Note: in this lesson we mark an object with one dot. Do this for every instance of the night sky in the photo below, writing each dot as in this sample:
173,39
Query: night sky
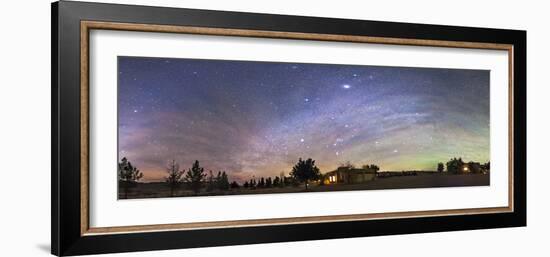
257,118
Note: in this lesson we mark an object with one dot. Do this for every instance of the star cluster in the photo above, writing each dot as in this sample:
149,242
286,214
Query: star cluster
257,118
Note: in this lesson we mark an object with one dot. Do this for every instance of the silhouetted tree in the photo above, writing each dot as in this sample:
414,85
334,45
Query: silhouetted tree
440,167
128,175
174,176
304,171
194,177
486,166
371,167
268,182
223,181
375,167
286,181
454,165
210,182
474,167
245,185
291,181
218,179
234,185
261,183
276,181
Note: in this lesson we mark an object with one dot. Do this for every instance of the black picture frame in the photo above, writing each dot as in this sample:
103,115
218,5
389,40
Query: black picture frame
66,235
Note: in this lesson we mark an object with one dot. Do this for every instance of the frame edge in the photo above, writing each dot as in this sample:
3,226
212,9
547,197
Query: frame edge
54,130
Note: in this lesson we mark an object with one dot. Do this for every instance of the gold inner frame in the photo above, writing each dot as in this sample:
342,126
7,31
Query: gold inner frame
86,26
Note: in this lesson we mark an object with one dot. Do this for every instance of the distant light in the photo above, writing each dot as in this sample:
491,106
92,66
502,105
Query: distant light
306,99
465,168
346,86
302,140
135,111
395,151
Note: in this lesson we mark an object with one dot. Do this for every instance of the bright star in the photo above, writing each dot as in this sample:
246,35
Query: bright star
302,140
346,86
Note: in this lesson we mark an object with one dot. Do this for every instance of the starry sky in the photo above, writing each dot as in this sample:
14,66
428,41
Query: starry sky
253,118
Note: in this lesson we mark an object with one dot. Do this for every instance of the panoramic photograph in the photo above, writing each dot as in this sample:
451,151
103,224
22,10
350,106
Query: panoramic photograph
199,127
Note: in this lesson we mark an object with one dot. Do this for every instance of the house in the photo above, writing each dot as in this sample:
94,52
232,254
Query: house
471,167
457,166
349,175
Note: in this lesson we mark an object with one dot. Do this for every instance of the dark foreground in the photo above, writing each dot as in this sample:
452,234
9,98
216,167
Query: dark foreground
156,190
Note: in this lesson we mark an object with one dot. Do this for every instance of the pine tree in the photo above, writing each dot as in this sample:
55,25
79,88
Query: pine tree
174,176
234,185
223,182
440,167
128,175
276,181
194,177
211,184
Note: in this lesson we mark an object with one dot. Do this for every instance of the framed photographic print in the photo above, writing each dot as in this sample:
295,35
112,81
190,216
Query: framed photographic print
177,128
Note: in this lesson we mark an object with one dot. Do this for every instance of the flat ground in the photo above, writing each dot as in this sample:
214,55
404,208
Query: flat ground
155,190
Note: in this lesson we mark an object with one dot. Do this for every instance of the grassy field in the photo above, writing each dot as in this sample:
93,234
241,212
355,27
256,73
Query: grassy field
156,190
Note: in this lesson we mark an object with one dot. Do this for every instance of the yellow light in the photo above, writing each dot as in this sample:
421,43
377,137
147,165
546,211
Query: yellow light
465,168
